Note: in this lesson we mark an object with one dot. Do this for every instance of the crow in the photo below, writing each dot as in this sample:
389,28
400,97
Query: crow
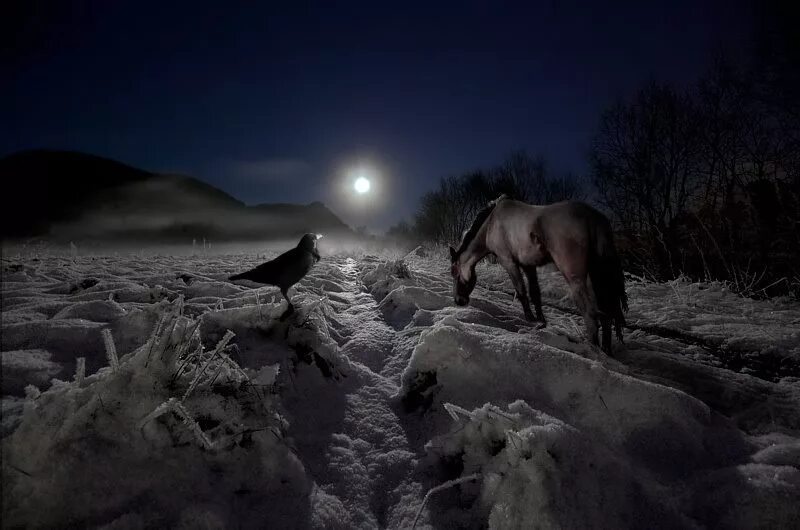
287,269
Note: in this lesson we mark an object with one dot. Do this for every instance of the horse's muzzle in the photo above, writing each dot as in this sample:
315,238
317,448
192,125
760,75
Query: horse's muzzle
461,300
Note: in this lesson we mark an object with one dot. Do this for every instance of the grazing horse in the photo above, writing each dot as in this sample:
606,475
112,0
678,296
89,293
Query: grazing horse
572,235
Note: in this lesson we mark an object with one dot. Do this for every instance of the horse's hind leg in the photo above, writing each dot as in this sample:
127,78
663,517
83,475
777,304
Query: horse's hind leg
587,307
519,285
534,292
604,300
619,322
609,309
605,323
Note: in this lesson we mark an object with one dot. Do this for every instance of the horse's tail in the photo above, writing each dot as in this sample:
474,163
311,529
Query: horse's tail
608,278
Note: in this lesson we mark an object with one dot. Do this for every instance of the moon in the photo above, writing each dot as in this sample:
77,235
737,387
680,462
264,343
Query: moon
361,185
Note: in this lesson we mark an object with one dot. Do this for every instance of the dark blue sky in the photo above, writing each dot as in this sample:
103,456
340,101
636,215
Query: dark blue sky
272,103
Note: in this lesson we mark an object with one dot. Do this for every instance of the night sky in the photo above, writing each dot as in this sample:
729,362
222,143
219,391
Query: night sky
275,103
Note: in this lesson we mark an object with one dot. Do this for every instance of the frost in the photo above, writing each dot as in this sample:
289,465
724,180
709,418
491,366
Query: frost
80,371
111,350
96,311
211,358
448,484
23,367
118,422
183,400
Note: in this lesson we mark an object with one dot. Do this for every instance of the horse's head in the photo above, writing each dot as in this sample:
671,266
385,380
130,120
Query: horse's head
463,279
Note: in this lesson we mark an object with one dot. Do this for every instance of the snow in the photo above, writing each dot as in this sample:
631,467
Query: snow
24,367
378,391
96,311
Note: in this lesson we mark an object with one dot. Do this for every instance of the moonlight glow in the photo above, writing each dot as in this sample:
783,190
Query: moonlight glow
361,185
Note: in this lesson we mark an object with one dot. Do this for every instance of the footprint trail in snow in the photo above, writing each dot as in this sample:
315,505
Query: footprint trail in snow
379,389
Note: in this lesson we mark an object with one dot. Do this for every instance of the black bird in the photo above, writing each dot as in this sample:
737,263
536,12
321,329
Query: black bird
287,269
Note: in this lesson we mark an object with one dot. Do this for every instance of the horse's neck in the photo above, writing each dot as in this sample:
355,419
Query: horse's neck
477,249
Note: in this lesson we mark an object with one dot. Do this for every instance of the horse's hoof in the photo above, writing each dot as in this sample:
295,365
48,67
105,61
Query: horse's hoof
541,325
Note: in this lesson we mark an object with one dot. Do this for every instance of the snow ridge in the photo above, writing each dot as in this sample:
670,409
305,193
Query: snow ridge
381,405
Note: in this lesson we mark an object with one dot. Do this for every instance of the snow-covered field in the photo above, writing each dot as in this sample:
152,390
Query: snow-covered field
376,392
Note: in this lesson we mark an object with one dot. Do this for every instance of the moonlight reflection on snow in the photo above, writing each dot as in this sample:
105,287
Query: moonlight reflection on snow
376,391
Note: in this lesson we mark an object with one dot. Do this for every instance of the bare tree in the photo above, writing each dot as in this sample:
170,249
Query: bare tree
445,213
644,159
703,182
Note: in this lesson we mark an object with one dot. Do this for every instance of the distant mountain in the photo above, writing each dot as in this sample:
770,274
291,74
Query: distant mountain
64,195
316,210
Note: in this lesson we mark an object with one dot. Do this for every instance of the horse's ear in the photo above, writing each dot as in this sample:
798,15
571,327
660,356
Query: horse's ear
453,254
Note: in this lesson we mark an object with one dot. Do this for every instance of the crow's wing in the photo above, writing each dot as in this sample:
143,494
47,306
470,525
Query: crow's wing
271,271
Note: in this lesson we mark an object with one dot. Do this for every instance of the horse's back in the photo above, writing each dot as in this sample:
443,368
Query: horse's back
566,232
565,211
509,234
529,233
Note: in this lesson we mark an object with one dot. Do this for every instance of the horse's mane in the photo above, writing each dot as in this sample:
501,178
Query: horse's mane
470,234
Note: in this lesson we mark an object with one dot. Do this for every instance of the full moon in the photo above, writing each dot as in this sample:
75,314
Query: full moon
361,185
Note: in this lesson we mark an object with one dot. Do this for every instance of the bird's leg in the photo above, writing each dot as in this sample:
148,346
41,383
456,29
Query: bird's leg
290,309
258,303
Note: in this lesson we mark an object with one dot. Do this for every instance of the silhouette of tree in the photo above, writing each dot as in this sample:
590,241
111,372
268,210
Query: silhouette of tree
705,182
445,213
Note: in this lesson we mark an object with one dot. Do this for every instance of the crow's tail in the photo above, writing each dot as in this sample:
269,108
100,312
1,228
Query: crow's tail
242,276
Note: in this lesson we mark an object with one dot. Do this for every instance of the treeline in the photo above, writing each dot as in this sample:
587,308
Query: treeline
703,182
446,212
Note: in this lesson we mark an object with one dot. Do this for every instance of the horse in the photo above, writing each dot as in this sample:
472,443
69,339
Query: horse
574,236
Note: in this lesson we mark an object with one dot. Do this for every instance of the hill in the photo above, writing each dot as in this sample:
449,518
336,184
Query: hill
64,195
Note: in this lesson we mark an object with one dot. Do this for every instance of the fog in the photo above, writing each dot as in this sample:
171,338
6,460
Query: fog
328,246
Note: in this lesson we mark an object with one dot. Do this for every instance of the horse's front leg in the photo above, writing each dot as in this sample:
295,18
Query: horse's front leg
534,292
519,285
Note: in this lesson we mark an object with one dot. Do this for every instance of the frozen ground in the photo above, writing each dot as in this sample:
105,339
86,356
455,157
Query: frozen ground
379,390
